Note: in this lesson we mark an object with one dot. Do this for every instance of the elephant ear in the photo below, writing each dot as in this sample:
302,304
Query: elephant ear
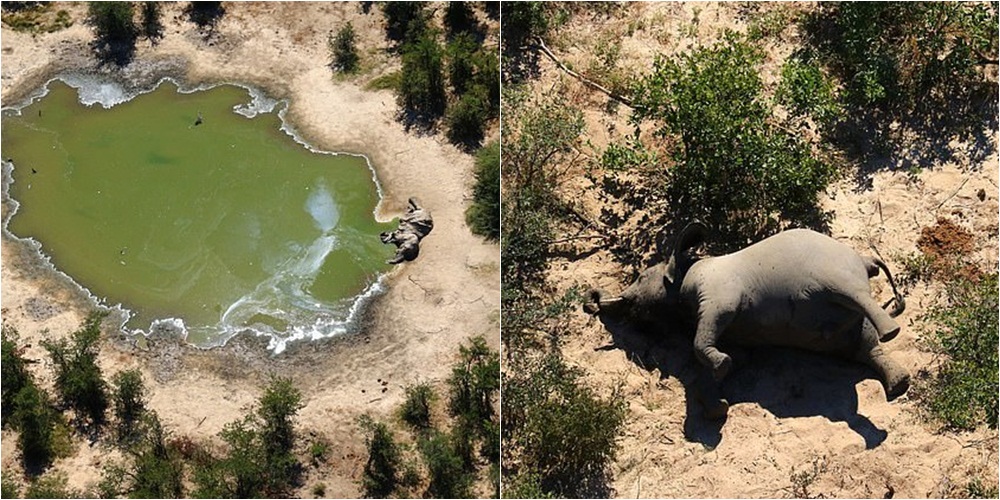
679,259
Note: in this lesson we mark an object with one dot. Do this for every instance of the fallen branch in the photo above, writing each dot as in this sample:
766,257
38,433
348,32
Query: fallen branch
584,237
952,194
586,81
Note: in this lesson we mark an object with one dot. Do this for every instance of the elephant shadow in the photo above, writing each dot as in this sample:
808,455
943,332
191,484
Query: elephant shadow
787,382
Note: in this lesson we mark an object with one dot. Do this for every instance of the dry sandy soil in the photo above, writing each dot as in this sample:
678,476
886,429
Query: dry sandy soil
791,413
412,332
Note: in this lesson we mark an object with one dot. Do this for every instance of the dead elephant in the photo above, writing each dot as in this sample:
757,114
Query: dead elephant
414,225
797,288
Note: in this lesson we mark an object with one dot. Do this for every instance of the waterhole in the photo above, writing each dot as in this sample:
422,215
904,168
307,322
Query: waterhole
198,209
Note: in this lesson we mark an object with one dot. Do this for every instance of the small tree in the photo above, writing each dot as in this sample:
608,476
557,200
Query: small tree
152,28
15,370
115,29
129,403
345,54
474,382
78,377
205,15
416,410
398,16
35,420
421,89
238,474
381,475
467,118
483,215
448,475
461,62
459,18
153,470
278,405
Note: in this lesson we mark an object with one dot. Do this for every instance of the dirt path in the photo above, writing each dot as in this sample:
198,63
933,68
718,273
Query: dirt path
449,294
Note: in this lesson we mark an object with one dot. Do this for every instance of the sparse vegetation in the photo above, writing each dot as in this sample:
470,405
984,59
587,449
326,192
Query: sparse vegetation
51,485
78,377
115,31
964,392
15,370
416,410
345,53
483,215
128,396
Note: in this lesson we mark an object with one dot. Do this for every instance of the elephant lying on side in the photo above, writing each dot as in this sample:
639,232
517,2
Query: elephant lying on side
413,226
797,288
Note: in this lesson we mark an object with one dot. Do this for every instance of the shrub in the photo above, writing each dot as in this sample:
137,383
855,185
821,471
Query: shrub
459,19
36,422
964,392
78,377
152,28
416,410
153,469
399,16
259,459
558,428
51,485
448,475
115,30
474,383
381,474
467,118
15,369
345,54
128,396
461,62
733,169
205,15
483,215
11,486
806,91
318,452
421,86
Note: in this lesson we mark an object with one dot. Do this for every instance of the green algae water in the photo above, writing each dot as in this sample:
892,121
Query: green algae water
184,211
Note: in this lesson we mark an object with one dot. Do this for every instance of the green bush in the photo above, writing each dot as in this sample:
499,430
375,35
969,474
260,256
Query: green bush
416,410
399,16
115,30
259,459
421,85
461,62
558,428
345,54
806,91
734,169
466,119
474,384
152,27
51,485
448,475
78,377
459,18
483,215
129,401
15,369
35,420
152,469
964,393
381,474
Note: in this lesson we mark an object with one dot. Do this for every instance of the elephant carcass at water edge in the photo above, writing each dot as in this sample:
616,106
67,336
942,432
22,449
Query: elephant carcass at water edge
414,225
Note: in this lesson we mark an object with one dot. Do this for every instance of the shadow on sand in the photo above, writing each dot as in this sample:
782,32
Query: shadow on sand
786,382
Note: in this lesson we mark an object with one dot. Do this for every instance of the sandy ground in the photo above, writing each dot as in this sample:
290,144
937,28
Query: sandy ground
412,333
791,412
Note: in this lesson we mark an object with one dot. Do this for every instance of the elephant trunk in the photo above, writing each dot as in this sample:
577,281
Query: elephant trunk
596,305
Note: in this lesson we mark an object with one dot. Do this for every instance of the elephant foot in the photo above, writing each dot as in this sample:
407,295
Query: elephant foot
896,387
889,334
717,410
721,365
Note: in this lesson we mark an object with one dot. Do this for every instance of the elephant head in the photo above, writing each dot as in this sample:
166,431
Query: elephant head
657,289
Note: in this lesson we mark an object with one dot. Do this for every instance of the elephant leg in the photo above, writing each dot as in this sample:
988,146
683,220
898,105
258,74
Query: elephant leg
862,302
709,395
710,328
895,379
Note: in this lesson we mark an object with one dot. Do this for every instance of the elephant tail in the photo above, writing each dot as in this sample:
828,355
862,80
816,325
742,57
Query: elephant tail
900,303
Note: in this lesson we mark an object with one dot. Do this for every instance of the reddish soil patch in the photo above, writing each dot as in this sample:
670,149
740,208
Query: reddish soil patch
945,239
